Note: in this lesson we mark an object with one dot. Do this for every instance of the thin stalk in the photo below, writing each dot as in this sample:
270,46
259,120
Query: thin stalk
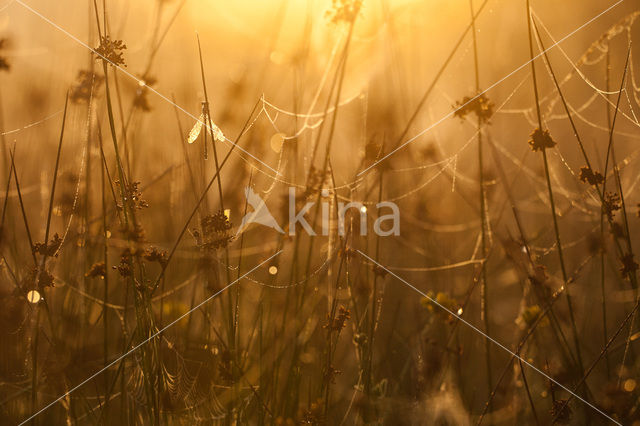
34,364
114,138
618,182
55,179
24,214
605,338
6,200
106,287
484,291
373,314
209,126
208,123
526,387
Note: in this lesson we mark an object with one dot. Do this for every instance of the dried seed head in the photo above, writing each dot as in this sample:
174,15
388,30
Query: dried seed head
541,140
218,222
611,203
125,267
629,266
589,176
152,254
132,195
480,105
214,233
50,249
339,321
111,50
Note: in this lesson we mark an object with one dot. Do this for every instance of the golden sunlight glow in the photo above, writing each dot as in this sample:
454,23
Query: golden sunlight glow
432,175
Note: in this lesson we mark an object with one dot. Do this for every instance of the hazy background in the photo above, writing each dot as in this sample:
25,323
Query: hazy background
275,53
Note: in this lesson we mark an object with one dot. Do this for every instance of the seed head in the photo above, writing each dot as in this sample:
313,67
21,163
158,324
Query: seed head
125,267
50,249
111,50
629,266
133,195
214,233
541,140
480,105
611,204
339,322
152,254
589,176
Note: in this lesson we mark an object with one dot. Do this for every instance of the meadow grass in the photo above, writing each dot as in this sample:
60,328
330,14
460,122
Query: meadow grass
130,297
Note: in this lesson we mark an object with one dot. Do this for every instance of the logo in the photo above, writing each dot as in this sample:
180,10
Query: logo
384,225
260,213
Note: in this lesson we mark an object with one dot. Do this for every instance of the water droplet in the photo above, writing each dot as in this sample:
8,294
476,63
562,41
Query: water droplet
629,385
33,296
277,141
